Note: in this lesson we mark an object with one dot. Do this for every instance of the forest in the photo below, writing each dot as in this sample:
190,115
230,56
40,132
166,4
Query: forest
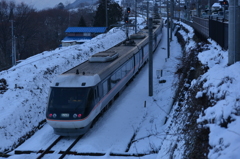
36,31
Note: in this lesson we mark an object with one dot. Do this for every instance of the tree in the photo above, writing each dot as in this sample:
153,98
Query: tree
60,6
25,29
35,31
53,24
114,13
6,14
82,22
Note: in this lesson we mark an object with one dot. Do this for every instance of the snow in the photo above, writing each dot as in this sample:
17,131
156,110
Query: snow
216,5
23,104
223,85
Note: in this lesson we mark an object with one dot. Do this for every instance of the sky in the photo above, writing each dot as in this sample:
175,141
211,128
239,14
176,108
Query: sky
42,4
22,105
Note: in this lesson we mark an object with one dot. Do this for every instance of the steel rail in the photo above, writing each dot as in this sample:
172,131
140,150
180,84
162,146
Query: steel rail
70,147
49,148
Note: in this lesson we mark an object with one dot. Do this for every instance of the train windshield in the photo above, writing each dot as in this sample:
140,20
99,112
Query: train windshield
68,98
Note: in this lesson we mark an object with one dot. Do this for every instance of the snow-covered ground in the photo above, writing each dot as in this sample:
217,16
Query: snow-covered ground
221,84
23,102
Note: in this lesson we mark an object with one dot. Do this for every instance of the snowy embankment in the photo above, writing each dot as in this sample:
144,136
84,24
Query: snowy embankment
220,85
24,88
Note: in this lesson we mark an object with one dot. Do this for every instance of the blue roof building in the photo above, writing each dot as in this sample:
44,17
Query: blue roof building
86,30
78,35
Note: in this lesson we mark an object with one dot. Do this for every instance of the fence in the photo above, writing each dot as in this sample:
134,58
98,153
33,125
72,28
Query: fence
218,31
201,25
211,28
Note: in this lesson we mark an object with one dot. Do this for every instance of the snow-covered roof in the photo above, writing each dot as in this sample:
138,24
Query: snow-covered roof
216,5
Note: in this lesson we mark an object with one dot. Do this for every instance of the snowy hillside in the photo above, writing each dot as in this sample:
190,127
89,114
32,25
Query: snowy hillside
21,106
76,3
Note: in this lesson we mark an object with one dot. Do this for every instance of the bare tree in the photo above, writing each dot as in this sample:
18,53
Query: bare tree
6,10
35,31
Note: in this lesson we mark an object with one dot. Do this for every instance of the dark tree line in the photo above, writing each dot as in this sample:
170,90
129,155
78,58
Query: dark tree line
38,31
114,13
34,31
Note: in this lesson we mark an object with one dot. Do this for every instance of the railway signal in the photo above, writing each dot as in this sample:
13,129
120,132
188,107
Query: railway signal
126,20
128,10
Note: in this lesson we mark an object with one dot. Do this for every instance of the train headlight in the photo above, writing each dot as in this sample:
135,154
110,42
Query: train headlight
77,115
74,115
54,115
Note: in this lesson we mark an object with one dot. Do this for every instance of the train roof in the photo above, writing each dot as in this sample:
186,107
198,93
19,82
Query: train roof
100,65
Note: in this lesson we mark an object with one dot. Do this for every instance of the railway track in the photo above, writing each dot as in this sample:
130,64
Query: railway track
49,151
69,152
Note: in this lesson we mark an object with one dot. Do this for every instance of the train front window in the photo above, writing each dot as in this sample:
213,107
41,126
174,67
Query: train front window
68,98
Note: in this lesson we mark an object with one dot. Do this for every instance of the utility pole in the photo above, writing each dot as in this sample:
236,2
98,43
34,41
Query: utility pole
168,42
198,8
209,8
150,30
171,24
135,16
234,32
147,11
161,6
106,13
126,19
187,9
13,46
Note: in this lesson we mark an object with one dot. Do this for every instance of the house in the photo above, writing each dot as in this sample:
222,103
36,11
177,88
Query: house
79,35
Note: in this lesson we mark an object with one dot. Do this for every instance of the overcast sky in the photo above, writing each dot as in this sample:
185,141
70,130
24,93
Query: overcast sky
41,4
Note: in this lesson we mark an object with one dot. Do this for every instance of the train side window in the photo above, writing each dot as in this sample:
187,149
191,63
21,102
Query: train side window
105,87
100,90
141,53
96,92
146,49
124,70
130,65
119,75
140,56
113,80
137,58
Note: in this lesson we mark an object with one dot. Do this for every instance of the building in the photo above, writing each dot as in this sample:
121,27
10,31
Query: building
79,35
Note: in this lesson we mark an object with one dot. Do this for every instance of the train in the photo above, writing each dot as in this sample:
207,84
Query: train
78,96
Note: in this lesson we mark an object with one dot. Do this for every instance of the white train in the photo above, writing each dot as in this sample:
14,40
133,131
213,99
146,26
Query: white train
78,95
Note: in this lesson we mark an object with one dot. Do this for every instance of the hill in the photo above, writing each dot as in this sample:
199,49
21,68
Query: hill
79,3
